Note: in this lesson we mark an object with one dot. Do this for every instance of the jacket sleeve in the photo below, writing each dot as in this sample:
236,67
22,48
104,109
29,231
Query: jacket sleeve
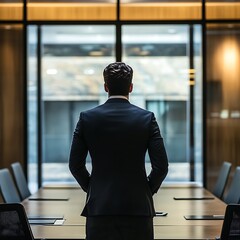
158,157
78,154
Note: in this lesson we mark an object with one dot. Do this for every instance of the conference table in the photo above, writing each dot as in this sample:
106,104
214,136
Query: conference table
64,203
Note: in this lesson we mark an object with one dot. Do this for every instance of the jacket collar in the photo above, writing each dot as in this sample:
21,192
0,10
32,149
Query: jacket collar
117,100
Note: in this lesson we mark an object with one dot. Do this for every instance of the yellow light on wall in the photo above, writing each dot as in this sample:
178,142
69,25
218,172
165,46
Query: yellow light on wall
230,54
191,82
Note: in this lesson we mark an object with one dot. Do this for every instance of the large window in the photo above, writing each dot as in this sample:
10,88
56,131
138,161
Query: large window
167,64
71,64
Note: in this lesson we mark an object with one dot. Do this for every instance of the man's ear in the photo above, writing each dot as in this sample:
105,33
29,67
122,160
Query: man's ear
131,88
106,87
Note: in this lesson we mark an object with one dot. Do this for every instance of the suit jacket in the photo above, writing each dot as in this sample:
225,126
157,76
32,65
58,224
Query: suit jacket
117,135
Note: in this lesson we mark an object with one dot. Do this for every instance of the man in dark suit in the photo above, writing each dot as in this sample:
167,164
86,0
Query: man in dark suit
117,134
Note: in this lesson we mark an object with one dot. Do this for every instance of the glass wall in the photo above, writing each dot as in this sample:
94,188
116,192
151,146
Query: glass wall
73,58
72,61
33,121
196,78
223,96
160,57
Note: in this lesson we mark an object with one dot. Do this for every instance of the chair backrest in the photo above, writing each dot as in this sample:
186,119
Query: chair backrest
231,223
14,223
222,180
8,188
233,194
20,180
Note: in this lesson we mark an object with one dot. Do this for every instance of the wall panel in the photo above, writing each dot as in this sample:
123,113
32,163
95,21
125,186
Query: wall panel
223,98
11,11
11,94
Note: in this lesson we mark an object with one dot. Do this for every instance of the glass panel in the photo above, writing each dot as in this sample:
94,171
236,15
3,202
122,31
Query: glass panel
72,10
72,64
160,59
197,77
160,9
222,9
223,97
11,9
32,109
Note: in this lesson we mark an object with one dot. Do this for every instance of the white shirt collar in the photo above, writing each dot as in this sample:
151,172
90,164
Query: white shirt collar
118,96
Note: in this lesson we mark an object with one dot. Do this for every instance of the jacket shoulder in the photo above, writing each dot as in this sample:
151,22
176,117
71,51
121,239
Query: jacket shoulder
92,110
142,110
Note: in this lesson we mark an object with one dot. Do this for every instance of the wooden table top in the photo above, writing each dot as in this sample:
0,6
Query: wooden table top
173,226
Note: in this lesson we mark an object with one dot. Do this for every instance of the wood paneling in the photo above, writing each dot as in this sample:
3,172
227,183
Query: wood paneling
179,11
71,11
11,96
129,11
223,106
11,11
223,10
161,11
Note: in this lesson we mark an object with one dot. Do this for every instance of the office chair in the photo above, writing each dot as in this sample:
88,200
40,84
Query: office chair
7,186
231,223
233,195
222,180
20,180
14,224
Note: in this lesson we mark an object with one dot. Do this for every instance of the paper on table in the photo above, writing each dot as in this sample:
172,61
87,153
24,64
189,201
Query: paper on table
42,221
45,217
193,198
47,199
59,222
204,217
161,214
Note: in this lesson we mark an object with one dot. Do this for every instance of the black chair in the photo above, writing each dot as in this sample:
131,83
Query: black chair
20,180
8,188
231,223
222,180
14,224
233,195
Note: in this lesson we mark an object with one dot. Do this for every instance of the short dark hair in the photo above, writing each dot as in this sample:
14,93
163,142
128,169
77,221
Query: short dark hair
118,78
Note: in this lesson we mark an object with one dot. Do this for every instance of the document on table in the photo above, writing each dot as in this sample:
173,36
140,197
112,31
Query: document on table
204,217
46,221
31,217
193,198
47,199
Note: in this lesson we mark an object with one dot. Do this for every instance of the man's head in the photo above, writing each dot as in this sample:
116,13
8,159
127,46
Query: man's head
118,79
